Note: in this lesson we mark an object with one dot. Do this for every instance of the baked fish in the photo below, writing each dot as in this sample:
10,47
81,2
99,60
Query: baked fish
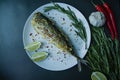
43,26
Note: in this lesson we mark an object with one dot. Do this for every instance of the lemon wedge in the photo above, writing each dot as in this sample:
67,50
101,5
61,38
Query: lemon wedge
39,56
33,46
98,76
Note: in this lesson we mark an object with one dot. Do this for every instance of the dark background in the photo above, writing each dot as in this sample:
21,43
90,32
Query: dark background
14,62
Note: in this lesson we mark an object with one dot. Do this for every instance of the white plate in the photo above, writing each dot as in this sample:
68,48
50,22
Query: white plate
58,60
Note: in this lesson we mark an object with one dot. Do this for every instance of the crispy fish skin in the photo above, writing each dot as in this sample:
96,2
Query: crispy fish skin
43,26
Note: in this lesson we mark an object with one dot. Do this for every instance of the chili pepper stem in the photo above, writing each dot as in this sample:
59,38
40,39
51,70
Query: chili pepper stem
102,1
111,16
93,3
109,23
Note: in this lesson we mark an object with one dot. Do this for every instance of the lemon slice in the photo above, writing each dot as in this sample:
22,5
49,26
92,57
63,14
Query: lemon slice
98,76
39,56
33,46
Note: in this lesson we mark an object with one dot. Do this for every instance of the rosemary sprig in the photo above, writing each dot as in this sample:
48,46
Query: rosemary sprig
104,54
76,22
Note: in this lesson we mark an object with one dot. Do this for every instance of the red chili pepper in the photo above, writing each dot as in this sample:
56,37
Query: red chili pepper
112,18
100,9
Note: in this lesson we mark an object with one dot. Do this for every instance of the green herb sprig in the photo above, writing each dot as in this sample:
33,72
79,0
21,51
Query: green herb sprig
104,54
76,22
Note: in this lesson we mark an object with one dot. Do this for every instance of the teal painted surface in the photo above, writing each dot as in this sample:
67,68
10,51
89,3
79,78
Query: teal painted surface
14,62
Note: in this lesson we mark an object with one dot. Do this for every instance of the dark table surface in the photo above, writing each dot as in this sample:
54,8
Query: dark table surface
14,62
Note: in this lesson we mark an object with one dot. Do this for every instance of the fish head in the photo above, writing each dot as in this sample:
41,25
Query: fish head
39,19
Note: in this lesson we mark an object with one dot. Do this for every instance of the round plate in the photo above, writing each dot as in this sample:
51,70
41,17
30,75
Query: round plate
57,60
